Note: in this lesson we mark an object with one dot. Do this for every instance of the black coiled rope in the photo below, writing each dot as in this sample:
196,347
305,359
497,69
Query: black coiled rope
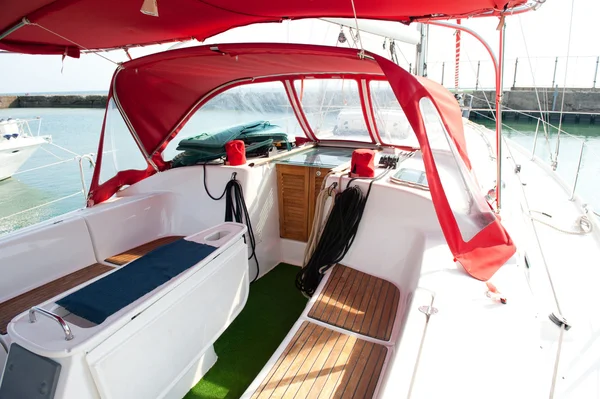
236,210
337,236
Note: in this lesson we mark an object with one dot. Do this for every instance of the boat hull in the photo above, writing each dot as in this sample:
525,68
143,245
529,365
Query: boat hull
14,153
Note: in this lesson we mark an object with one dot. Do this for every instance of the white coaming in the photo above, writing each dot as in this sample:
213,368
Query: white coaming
46,338
171,328
193,209
32,257
123,223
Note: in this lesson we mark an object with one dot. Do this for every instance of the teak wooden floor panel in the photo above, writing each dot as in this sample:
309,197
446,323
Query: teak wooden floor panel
322,363
358,302
138,252
9,309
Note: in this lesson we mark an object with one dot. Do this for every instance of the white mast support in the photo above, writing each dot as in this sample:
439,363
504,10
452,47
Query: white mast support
499,92
422,48
498,70
390,29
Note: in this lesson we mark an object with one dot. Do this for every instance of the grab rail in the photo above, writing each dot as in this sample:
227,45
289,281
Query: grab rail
66,329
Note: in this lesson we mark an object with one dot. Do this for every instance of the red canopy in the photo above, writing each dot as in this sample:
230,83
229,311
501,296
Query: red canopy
68,26
158,93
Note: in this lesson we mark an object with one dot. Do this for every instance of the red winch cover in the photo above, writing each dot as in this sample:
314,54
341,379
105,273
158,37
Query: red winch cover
68,26
158,93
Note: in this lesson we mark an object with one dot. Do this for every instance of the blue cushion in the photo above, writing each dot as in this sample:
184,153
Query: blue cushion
115,291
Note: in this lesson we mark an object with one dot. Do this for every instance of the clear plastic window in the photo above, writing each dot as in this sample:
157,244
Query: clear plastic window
469,207
244,104
333,108
120,149
392,124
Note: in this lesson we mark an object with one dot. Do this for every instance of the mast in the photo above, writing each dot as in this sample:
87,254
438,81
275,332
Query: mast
422,49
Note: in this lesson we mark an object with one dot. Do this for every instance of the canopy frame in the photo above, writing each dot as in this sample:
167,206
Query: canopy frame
59,26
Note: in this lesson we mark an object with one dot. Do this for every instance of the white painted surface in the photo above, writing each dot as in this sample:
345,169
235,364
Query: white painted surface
14,153
194,374
472,347
127,222
194,210
386,29
33,257
158,348
153,347
572,266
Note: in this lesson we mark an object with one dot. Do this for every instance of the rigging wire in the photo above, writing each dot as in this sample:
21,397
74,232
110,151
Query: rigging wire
482,91
562,105
42,205
537,96
76,44
362,49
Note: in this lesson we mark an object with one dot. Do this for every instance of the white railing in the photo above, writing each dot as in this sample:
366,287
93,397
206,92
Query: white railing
578,168
549,72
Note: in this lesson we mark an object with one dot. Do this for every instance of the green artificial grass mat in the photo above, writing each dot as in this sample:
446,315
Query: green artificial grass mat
274,304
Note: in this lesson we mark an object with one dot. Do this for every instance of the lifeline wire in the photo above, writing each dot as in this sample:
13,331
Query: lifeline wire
562,105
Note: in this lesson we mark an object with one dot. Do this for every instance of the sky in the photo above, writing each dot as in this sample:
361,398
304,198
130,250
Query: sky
535,38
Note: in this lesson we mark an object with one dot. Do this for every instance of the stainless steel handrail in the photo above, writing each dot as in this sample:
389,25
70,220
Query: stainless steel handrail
66,329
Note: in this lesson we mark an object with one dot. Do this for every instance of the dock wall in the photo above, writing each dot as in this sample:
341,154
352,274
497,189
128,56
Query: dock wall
53,101
576,101
526,99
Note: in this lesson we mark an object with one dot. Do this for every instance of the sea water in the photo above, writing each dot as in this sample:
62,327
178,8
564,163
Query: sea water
32,196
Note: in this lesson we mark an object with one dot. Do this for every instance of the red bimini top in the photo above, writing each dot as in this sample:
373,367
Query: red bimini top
69,26
157,95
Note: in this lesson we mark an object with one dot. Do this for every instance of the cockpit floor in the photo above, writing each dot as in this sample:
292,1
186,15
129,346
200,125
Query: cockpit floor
274,304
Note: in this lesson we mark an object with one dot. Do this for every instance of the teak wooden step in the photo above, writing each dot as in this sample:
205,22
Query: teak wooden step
357,302
9,309
322,363
138,252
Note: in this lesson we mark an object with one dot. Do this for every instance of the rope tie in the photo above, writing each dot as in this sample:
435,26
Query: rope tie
361,53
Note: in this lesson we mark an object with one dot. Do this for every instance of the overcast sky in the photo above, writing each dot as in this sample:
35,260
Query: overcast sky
542,35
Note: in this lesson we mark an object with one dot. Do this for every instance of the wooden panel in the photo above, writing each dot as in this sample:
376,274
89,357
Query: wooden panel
138,252
322,363
9,309
316,180
293,188
358,302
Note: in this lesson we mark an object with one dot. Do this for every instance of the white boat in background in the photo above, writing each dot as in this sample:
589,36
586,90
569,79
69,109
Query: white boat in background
17,144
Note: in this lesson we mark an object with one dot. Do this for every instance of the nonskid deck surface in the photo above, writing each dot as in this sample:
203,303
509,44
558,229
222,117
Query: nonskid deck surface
9,309
357,302
322,363
138,252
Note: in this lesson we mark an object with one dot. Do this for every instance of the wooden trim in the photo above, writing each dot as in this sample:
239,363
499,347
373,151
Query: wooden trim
137,252
293,186
11,308
322,363
358,302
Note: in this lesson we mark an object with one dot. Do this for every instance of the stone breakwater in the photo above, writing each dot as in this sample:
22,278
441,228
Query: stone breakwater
522,99
53,101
